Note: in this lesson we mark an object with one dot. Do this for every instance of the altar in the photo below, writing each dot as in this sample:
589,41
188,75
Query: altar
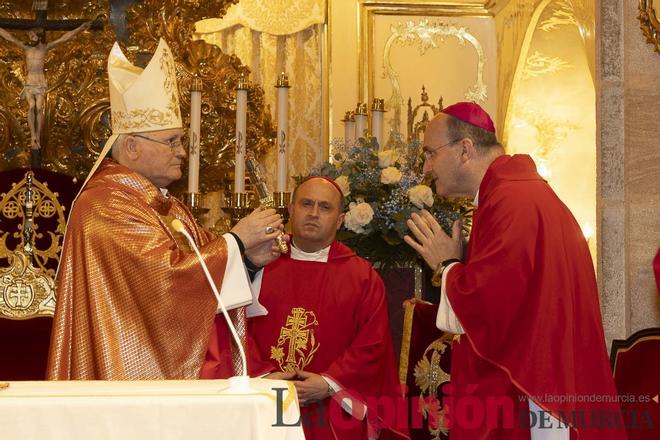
149,410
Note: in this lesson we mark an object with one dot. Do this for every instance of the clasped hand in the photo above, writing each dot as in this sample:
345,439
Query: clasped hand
431,242
309,386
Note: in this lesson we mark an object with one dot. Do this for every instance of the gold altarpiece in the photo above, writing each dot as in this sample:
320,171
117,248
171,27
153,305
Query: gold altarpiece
77,106
77,111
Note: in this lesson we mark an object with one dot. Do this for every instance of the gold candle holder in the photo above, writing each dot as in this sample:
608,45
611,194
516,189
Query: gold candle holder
378,105
194,202
281,200
349,116
282,80
239,206
361,109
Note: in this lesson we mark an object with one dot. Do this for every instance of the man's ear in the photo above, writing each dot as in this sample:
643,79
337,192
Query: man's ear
131,148
468,150
340,220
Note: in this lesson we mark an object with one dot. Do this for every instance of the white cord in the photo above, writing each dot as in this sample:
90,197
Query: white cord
179,227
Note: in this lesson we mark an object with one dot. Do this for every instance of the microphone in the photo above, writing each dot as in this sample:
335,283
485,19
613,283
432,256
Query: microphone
178,226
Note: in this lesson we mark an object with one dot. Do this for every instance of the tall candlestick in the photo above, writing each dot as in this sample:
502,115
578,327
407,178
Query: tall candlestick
282,130
241,134
195,132
360,120
349,128
377,113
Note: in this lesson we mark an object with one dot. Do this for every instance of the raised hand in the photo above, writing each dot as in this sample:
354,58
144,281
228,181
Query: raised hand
258,227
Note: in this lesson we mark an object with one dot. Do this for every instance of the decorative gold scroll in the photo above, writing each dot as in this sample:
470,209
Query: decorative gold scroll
649,22
427,35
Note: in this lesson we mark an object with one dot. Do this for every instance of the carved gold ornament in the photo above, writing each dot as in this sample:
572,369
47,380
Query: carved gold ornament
45,205
649,22
296,344
428,377
25,291
538,64
427,36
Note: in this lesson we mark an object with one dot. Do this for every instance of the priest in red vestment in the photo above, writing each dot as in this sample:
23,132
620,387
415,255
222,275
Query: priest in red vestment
323,316
132,300
531,358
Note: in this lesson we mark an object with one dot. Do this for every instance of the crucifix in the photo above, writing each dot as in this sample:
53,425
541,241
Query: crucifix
35,86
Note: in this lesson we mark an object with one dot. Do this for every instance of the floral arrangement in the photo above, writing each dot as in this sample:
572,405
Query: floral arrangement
382,189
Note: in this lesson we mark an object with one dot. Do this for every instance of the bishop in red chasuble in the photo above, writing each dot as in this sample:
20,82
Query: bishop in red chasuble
531,361
132,300
327,322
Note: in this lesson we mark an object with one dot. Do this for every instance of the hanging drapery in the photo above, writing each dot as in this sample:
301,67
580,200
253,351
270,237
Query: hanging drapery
274,37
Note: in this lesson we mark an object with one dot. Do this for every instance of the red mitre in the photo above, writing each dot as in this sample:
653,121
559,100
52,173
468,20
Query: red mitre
326,178
472,114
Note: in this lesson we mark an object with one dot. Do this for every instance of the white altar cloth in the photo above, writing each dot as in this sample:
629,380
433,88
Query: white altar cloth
148,410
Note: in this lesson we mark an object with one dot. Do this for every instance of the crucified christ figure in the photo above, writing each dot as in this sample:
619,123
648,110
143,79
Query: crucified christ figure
36,86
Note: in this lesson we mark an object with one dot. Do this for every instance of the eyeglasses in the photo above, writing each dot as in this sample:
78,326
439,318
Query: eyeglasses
428,154
172,143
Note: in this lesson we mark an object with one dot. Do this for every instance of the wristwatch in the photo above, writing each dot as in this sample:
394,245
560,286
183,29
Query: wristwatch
436,280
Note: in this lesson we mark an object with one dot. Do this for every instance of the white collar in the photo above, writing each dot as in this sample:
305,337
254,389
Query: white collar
320,255
475,202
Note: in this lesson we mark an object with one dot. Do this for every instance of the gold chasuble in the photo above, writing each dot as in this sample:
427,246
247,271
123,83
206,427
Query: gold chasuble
132,301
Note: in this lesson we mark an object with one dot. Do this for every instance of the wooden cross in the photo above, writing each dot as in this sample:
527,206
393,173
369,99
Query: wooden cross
41,21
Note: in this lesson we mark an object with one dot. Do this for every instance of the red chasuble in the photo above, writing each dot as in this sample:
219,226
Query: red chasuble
528,302
331,319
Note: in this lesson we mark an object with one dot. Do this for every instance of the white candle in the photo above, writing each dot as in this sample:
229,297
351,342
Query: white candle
282,131
195,132
349,128
360,120
377,113
241,135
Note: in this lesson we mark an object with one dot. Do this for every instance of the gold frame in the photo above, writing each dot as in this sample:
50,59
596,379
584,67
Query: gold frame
649,22
369,9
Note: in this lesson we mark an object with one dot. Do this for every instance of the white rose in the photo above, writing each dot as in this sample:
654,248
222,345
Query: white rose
358,216
421,195
387,158
342,182
390,175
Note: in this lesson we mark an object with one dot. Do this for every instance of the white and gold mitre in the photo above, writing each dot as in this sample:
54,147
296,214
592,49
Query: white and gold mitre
143,100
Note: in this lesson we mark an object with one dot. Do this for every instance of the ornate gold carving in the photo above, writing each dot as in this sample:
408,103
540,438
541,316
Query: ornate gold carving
538,64
75,83
427,36
416,129
296,344
78,110
44,204
550,131
428,377
25,291
649,22
220,73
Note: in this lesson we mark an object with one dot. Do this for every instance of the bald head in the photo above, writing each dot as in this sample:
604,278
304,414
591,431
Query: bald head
316,214
457,155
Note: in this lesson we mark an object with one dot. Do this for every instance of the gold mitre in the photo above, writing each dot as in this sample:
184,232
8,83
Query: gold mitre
141,100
